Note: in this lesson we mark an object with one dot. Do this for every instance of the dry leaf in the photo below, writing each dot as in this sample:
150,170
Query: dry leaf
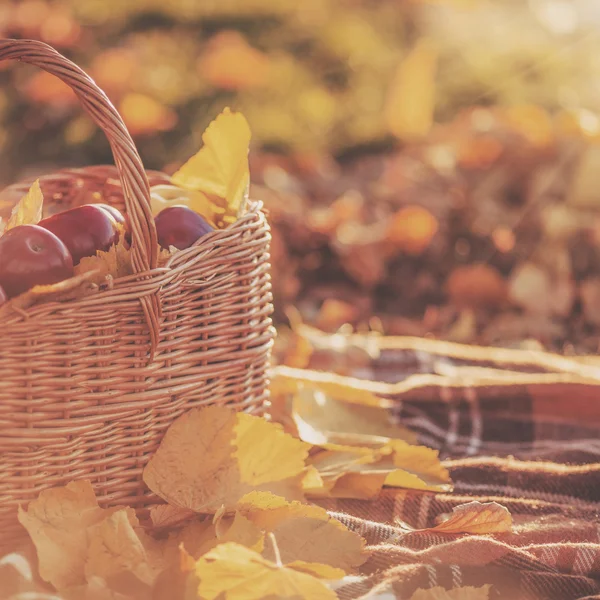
241,530
213,456
114,548
353,472
477,518
232,572
28,210
220,169
288,380
462,593
165,515
322,419
75,287
411,98
303,532
57,522
114,263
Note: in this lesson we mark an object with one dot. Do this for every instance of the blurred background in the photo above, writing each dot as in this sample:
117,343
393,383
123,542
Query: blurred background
430,167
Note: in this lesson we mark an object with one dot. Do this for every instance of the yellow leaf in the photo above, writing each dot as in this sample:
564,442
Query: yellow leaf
410,101
477,518
220,169
28,210
462,593
303,532
318,570
233,572
114,547
322,419
57,522
163,196
257,439
115,263
203,463
241,530
288,380
353,472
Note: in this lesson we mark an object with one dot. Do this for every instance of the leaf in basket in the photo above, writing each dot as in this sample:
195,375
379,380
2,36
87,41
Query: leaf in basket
212,456
237,573
115,263
75,287
57,522
220,169
28,210
476,518
459,593
162,196
303,532
320,419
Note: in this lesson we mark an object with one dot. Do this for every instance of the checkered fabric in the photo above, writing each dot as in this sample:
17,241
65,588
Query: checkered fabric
532,447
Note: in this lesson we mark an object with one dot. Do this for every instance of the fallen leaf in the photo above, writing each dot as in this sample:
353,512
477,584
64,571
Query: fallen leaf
211,457
321,419
28,210
289,380
115,548
476,518
353,472
410,101
220,168
165,515
241,530
303,532
233,572
57,522
462,593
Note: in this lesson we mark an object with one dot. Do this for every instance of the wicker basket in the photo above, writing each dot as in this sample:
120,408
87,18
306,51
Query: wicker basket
89,386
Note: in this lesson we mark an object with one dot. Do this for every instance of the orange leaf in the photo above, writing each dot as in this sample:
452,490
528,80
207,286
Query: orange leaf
477,518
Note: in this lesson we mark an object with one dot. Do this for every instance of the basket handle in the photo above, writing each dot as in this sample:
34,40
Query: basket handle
136,190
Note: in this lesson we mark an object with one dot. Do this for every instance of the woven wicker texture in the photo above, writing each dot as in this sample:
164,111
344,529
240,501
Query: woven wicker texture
82,394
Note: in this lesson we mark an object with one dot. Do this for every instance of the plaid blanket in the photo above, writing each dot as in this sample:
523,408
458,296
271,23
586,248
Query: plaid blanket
521,429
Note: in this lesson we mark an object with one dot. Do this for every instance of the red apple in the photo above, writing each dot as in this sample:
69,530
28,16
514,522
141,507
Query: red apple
180,226
84,230
31,255
113,212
